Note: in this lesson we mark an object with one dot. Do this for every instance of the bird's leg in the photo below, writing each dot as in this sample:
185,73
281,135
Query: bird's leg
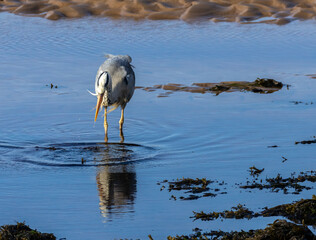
121,126
121,135
122,119
105,125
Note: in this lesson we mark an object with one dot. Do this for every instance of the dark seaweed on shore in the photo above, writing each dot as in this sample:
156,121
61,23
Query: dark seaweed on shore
197,185
238,212
20,231
193,187
302,212
280,183
278,230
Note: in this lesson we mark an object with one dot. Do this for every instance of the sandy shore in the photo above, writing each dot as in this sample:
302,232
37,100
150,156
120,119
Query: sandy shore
243,11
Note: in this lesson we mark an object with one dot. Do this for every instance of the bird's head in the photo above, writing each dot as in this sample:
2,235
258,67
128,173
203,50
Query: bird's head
100,87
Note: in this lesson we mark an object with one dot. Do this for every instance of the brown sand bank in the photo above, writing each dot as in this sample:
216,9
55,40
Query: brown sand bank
260,85
244,11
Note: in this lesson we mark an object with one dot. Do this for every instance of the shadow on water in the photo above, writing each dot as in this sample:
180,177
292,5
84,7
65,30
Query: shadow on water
117,189
116,184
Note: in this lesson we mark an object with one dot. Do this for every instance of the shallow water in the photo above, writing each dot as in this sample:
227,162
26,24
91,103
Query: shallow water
58,176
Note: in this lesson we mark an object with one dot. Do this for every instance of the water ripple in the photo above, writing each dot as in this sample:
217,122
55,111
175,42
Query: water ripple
81,154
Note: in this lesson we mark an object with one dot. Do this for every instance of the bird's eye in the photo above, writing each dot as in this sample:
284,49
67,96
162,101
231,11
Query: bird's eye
127,78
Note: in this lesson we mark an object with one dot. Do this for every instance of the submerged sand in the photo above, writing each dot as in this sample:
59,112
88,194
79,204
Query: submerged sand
244,11
260,85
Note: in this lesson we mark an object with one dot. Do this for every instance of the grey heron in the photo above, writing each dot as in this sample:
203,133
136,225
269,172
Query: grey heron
114,86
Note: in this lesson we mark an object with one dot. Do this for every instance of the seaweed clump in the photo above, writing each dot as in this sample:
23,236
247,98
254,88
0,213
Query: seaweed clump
303,211
278,183
52,86
300,102
268,83
255,171
20,231
280,229
260,85
238,212
192,186
306,141
197,185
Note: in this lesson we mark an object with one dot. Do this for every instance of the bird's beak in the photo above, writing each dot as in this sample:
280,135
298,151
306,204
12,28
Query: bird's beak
97,108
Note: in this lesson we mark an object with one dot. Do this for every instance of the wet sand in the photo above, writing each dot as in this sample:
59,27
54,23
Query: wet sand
243,11
46,132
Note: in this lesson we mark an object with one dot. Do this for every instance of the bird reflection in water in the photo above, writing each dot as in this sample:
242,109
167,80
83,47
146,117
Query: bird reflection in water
116,183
